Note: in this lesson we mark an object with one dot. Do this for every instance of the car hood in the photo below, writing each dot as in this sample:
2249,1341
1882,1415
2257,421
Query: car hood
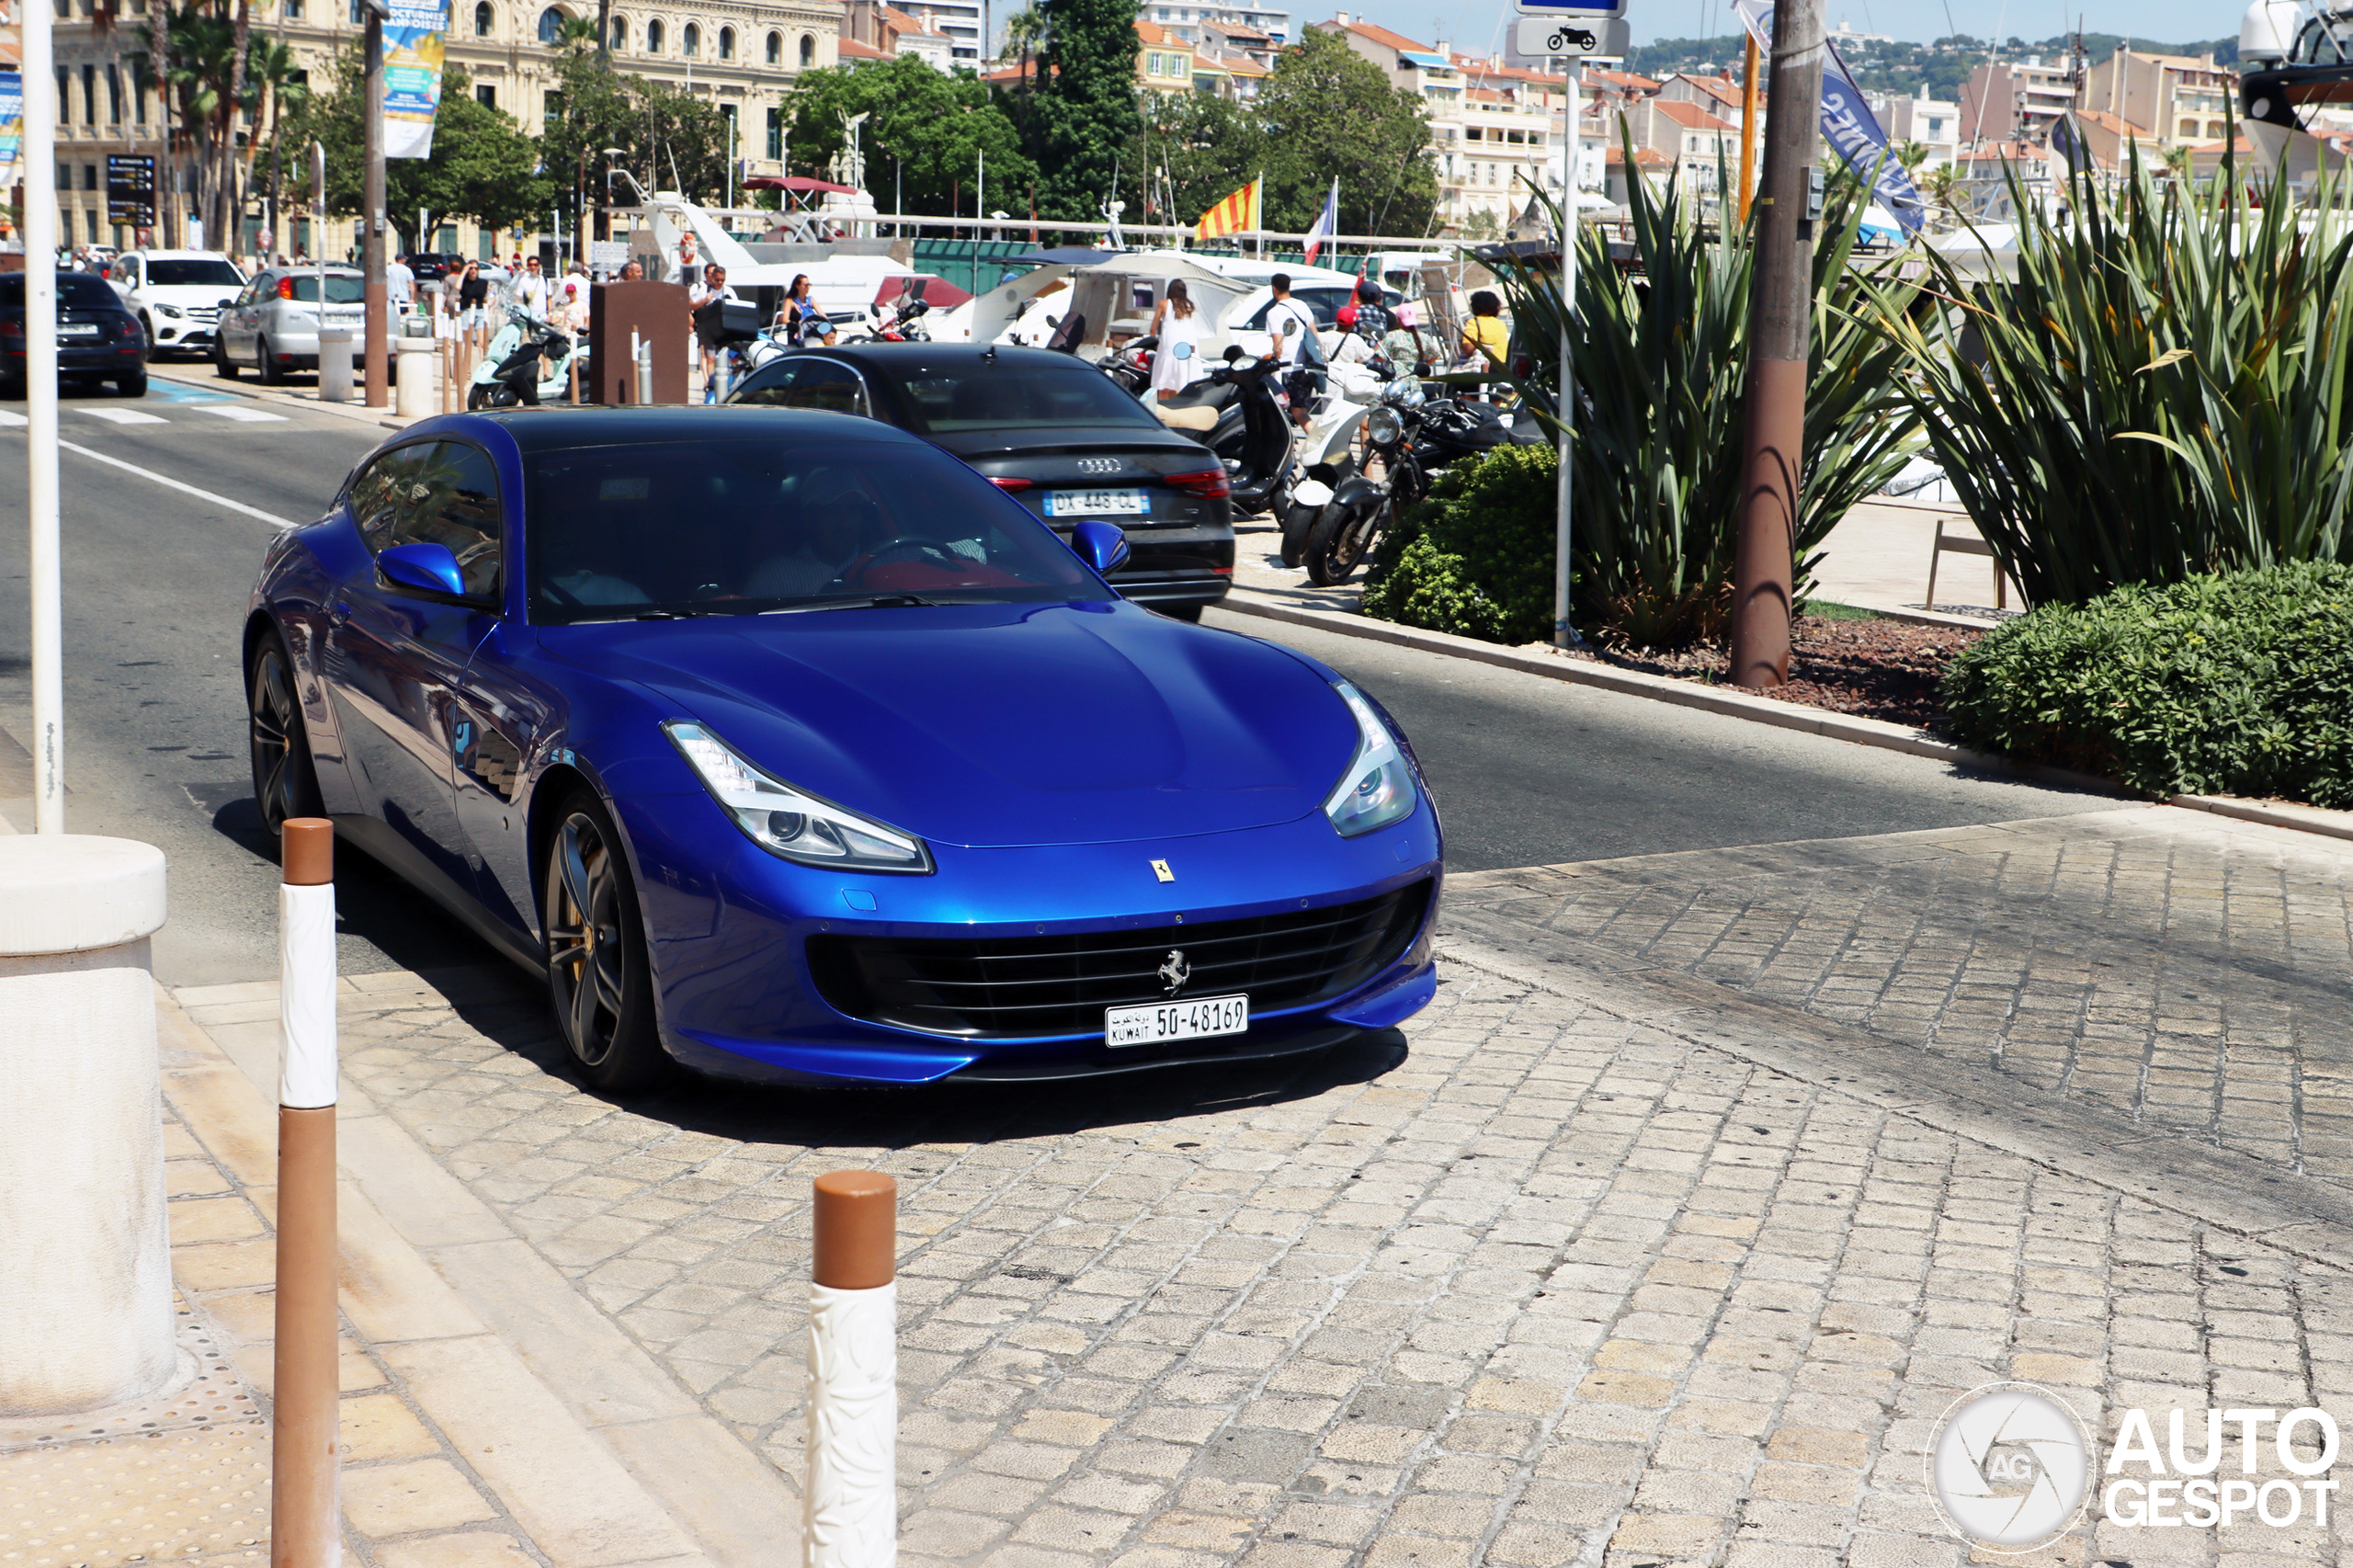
189,293
1001,725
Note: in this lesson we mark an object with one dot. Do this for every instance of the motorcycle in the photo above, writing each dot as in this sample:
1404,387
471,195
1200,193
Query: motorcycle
510,374
1414,438
1238,410
1326,446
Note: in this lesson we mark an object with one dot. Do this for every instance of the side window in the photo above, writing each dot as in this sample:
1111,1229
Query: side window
830,386
374,505
451,497
770,386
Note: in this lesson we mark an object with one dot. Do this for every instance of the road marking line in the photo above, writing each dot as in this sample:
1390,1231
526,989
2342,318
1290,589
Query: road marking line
12,421
242,415
124,415
170,483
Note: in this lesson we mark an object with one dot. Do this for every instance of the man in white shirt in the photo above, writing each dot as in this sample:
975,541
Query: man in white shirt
400,283
711,291
1291,324
531,289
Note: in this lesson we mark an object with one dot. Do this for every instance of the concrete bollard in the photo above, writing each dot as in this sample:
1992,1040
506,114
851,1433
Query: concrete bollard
416,374
851,1505
85,1270
305,1495
334,365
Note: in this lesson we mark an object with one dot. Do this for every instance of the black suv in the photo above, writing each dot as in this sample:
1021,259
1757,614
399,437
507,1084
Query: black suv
1051,431
97,338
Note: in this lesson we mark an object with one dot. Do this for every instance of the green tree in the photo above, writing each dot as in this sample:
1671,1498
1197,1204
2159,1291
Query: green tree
1207,145
481,167
932,127
669,141
1326,110
1085,114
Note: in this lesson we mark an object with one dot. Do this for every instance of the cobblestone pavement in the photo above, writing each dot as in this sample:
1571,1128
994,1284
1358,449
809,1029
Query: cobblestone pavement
2184,970
1599,1262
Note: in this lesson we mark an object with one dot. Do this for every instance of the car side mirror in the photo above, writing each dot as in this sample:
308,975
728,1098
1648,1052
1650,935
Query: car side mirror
1100,545
423,568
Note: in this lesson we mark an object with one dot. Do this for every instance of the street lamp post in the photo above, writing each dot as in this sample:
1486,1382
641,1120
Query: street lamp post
371,222
40,419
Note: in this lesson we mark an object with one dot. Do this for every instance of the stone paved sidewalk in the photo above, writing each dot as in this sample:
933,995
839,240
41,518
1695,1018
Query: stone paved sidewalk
1587,1266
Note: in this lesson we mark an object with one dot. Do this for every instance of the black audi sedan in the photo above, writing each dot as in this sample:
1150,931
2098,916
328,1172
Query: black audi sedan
1049,430
97,338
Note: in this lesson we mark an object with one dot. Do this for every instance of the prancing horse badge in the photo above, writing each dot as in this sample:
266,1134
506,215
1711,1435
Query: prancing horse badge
1160,871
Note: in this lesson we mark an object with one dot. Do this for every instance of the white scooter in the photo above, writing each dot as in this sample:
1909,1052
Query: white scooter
529,361
1326,450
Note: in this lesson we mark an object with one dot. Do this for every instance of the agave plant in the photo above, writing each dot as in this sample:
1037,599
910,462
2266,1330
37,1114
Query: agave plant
2161,392
1660,352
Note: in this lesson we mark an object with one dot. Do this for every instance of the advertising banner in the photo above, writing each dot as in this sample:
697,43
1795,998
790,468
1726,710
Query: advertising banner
412,43
12,124
1850,126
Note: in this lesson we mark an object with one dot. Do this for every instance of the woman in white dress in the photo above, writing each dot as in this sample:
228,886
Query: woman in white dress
1176,363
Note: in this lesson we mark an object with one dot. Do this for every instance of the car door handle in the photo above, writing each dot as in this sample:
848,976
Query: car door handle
339,614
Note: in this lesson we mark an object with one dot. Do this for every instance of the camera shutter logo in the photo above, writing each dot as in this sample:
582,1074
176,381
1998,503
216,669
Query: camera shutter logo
2009,1467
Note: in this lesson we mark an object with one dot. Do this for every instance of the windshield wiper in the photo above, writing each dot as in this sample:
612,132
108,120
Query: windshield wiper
871,601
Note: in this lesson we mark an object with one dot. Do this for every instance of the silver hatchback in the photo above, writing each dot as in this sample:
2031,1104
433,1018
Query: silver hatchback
273,326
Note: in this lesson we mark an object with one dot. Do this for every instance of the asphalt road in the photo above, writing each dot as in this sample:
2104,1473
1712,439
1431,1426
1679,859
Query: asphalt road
1526,770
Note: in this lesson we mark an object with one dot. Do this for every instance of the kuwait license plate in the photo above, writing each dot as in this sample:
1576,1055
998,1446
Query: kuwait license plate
1164,1021
76,329
1097,503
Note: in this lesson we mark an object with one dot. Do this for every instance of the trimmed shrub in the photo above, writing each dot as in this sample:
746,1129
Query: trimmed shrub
2240,683
1476,558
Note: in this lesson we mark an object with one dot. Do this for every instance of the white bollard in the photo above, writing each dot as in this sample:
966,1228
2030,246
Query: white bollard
334,365
305,1503
416,375
85,1272
851,1506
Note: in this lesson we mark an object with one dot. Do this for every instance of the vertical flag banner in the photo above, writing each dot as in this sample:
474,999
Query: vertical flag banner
12,124
1327,224
1850,126
1237,214
412,42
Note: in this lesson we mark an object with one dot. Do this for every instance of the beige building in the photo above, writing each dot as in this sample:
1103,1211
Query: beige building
2178,98
741,54
2019,98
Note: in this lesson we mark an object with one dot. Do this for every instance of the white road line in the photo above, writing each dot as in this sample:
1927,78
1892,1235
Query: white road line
242,414
170,483
124,415
12,421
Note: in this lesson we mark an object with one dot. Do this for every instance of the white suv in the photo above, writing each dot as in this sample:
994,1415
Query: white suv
176,295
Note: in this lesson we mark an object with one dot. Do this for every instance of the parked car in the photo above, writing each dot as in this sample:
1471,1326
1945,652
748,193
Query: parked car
177,295
431,266
97,338
273,326
1050,431
787,748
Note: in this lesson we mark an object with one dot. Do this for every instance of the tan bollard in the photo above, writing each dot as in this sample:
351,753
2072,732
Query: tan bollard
305,1493
851,1512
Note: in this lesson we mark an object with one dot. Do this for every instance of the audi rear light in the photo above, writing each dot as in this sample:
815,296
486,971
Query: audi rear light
1003,483
1210,484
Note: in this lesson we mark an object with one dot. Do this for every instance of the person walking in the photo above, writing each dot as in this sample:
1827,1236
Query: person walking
474,297
1291,326
400,284
531,290
708,300
1176,362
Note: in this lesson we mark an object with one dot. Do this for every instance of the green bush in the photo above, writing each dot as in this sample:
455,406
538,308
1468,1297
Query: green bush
1476,558
2239,684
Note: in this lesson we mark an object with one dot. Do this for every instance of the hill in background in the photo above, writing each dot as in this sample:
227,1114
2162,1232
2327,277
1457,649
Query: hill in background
1902,67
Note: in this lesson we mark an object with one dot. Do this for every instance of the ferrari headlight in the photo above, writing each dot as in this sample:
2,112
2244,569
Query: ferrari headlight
789,823
1378,788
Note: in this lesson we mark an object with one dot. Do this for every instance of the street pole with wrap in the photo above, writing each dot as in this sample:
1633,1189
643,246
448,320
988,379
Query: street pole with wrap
851,1505
47,576
305,1496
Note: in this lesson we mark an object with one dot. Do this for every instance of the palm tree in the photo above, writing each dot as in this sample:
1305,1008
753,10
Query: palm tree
1029,30
1910,156
1943,186
273,76
159,59
573,30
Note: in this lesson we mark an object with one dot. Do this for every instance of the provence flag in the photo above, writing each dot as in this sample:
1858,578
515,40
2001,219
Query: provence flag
1236,214
1327,224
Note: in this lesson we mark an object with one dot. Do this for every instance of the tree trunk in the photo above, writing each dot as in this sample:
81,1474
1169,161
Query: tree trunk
159,54
604,27
232,208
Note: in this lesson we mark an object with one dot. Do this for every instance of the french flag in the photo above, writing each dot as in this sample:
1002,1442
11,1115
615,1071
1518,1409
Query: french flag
1327,224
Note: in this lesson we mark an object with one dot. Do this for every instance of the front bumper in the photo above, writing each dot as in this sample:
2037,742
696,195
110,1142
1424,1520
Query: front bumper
729,926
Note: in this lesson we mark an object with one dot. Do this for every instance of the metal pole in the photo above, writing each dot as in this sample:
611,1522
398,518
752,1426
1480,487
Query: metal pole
305,1503
851,1513
1565,633
40,420
1748,127
1773,442
372,253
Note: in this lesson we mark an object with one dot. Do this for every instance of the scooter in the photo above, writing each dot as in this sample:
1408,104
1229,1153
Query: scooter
1327,449
1238,410
511,373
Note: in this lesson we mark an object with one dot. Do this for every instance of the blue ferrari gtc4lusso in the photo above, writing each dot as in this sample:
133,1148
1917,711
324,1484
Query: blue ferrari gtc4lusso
788,748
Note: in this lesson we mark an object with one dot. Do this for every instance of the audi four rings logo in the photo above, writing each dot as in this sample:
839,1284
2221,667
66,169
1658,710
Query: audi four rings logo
1175,971
1098,465
2009,1467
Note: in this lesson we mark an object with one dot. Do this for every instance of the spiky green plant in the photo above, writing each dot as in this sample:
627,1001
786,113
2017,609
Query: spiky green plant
2160,393
1661,355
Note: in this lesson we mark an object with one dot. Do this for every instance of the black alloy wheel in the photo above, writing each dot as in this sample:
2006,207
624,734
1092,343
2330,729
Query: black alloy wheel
285,783
263,366
222,366
598,979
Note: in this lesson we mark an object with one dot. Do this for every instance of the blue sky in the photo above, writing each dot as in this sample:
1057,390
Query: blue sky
1472,25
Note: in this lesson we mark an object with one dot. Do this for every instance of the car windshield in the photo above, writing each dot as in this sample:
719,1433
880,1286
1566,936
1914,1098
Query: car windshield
744,526
184,271
343,289
974,394
75,290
